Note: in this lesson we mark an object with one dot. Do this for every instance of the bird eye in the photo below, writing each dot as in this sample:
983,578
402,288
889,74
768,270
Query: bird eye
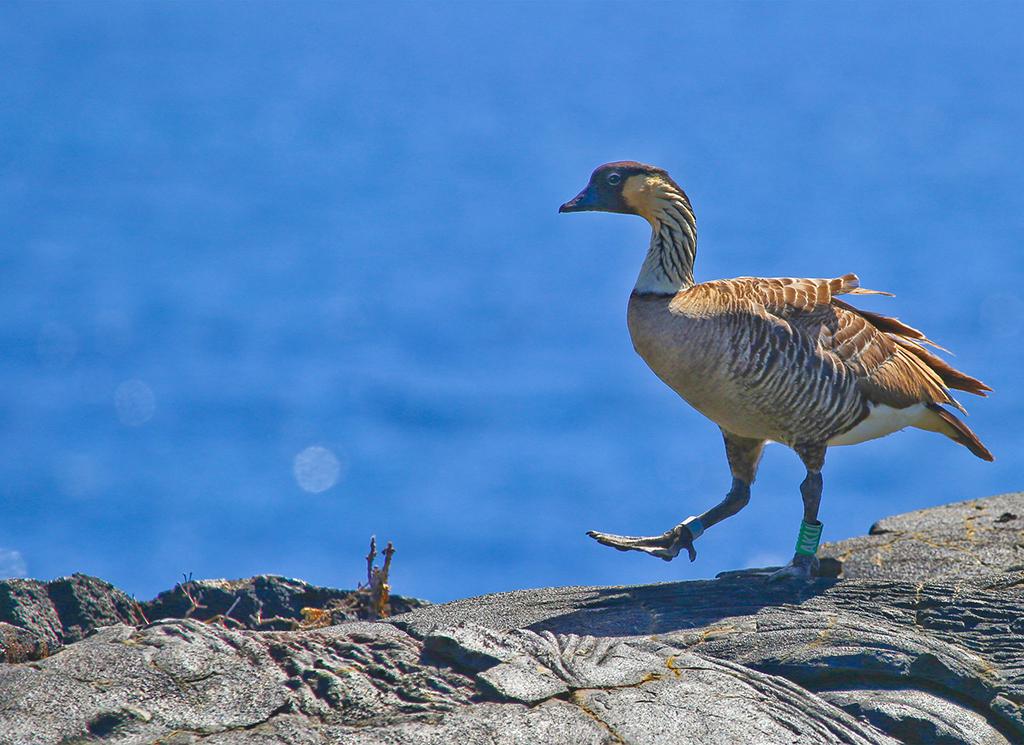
614,178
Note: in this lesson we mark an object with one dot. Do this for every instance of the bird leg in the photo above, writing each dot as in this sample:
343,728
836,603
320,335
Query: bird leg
743,455
805,561
667,545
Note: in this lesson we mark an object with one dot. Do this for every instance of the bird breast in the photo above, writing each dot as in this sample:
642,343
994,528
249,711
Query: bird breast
686,351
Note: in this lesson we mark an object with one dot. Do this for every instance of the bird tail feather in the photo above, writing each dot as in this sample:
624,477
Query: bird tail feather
948,424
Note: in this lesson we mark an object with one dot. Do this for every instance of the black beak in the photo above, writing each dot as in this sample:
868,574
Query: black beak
582,202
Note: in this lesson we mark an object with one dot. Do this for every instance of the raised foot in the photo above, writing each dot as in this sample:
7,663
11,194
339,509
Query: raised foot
665,546
802,568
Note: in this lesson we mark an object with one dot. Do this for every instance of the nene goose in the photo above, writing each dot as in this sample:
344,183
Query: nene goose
781,360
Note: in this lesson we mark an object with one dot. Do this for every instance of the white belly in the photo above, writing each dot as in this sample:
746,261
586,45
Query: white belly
881,420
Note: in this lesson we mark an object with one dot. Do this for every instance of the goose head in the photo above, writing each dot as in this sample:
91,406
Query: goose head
626,187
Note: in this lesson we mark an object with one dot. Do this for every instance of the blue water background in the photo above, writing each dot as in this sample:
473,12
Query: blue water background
231,232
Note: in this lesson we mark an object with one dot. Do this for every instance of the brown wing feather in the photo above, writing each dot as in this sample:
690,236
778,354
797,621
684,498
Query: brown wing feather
886,355
952,377
889,324
908,348
789,293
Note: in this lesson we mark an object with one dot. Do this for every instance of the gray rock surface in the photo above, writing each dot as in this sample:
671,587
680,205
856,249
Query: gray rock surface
966,539
921,639
264,603
48,615
38,618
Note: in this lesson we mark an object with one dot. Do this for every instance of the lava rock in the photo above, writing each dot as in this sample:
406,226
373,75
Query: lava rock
44,616
60,612
20,645
184,681
904,647
965,539
265,603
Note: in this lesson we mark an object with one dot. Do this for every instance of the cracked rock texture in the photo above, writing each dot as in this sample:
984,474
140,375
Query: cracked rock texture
919,639
38,618
955,541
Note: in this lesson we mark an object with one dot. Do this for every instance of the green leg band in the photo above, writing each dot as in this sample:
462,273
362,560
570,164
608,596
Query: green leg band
807,541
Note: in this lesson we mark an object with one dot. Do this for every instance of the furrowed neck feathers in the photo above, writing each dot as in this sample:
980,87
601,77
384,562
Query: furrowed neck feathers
668,266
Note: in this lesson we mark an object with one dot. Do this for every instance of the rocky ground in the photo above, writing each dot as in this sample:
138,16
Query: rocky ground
917,636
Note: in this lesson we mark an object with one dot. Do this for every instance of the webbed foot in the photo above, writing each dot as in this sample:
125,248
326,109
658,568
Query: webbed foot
802,568
665,546
746,573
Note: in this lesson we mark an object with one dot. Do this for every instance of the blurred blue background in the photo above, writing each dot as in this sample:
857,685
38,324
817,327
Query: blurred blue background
277,277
